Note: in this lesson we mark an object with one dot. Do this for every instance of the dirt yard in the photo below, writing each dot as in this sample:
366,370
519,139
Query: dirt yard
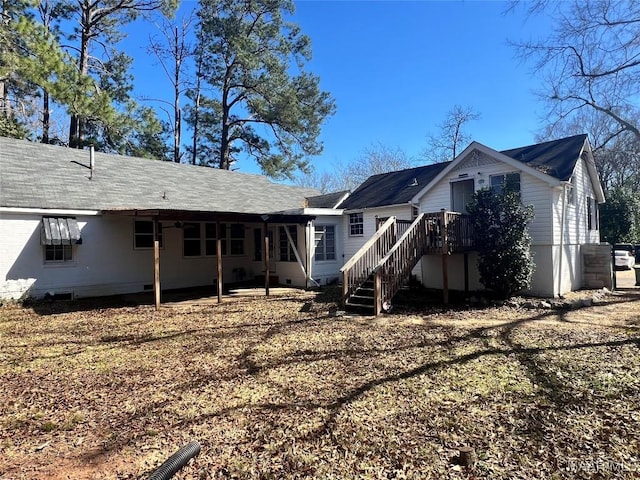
280,389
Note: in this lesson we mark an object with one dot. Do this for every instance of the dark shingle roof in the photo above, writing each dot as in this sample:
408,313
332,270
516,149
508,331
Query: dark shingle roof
34,175
328,200
556,158
392,188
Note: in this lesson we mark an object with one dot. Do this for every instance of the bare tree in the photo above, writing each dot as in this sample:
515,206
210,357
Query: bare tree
325,181
446,144
591,60
375,159
173,51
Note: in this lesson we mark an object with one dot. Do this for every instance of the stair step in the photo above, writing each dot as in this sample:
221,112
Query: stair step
360,302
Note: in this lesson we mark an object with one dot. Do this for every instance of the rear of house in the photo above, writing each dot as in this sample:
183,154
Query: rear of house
73,230
558,178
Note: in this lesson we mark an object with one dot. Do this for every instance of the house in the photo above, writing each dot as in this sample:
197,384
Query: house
74,223
558,178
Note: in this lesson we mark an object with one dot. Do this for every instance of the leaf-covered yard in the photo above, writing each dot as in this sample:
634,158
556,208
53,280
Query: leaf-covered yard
278,388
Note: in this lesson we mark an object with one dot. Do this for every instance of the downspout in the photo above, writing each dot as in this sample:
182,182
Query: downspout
564,216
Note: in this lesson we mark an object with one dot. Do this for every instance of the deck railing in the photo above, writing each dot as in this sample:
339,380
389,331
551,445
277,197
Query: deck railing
390,261
359,267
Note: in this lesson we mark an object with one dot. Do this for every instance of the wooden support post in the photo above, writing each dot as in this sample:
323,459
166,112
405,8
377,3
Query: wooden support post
266,259
219,261
445,260
156,262
377,291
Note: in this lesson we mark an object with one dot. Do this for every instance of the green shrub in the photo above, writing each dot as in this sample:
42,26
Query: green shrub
503,243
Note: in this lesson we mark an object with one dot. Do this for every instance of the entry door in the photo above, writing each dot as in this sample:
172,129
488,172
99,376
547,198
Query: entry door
461,194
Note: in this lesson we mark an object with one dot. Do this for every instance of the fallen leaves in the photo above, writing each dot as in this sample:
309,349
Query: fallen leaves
278,388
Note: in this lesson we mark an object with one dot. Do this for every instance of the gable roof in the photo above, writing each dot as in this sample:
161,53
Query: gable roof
328,200
393,188
556,158
33,175
554,161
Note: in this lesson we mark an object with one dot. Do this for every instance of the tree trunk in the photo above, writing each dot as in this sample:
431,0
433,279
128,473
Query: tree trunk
76,132
176,101
196,110
46,114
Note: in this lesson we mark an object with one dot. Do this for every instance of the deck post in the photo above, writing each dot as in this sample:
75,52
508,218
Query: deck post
156,262
219,260
266,259
445,260
377,291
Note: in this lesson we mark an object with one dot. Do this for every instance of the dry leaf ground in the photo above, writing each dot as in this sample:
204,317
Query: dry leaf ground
277,388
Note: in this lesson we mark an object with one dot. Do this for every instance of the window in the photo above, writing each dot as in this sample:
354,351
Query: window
286,250
191,239
258,244
143,234
236,238
325,239
508,182
210,247
415,211
58,253
356,224
571,192
592,213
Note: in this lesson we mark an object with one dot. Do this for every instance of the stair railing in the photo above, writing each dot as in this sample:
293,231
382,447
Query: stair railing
359,267
396,266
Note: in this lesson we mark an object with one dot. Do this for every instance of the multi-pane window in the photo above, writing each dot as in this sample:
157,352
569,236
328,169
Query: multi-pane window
285,248
325,240
258,244
236,238
143,234
191,236
508,182
58,253
210,247
356,224
231,236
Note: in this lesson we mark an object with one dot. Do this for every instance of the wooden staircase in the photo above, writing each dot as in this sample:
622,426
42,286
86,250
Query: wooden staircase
373,276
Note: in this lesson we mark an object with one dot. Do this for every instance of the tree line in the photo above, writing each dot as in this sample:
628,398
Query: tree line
240,64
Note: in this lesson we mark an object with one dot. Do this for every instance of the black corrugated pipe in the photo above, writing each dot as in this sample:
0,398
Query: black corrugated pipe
176,461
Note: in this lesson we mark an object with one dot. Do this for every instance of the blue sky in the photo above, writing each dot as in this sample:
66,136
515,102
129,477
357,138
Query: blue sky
395,68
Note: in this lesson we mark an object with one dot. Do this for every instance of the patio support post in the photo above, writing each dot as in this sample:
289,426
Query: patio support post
156,262
219,261
266,259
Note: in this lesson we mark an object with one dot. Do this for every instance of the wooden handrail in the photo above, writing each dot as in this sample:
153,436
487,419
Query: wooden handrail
385,226
359,267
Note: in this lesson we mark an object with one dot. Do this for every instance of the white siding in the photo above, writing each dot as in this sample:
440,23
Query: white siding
353,243
107,263
533,191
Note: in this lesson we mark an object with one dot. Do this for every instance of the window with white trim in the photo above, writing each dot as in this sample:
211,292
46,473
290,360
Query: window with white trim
286,249
356,224
58,253
592,213
571,191
210,239
507,182
191,239
143,234
325,241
